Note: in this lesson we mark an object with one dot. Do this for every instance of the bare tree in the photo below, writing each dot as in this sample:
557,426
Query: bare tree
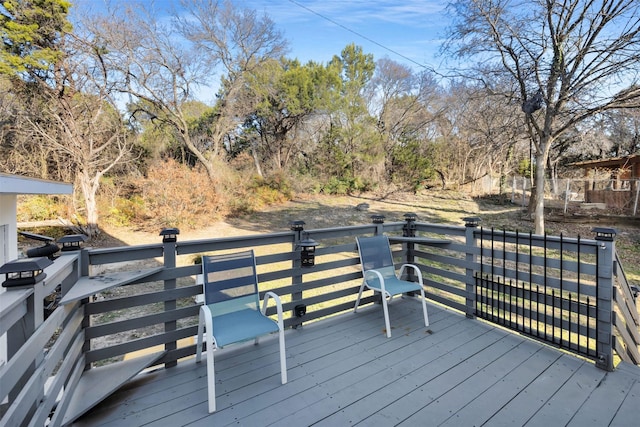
242,45
404,101
66,118
623,128
80,122
489,125
154,68
90,134
163,64
568,60
405,105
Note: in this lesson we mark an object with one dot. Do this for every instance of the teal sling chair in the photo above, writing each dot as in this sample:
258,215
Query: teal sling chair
379,274
231,310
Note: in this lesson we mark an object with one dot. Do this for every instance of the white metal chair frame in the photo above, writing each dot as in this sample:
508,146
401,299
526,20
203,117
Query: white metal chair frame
205,325
393,285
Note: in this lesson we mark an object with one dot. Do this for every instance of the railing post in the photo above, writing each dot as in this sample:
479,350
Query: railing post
409,230
169,239
86,320
72,244
297,227
471,224
378,220
604,297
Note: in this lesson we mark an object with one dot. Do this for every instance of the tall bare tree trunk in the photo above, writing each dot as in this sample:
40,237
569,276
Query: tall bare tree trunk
539,195
89,188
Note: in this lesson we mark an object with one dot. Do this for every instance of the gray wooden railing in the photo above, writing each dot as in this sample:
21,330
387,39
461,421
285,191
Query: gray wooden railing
95,333
625,320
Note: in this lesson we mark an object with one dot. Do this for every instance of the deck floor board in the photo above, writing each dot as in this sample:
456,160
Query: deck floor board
344,371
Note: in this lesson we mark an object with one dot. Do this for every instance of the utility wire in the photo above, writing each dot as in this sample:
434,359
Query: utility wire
361,35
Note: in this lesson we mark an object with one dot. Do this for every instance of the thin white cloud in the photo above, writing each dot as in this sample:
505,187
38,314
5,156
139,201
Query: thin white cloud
416,13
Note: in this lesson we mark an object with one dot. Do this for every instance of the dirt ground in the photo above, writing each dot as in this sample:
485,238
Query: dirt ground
436,207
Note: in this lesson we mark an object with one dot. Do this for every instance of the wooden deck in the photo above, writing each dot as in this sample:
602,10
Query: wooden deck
344,371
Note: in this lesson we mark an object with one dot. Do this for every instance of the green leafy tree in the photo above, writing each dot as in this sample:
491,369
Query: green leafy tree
287,95
353,139
410,164
31,32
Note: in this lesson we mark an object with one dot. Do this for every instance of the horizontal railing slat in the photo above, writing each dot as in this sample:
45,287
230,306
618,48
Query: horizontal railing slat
450,289
326,297
626,317
125,254
119,303
13,307
537,240
139,344
440,229
630,349
237,242
550,262
567,285
140,322
320,283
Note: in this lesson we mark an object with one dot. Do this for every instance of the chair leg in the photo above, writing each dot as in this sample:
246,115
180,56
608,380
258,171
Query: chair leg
205,329
283,358
386,314
211,374
355,309
424,308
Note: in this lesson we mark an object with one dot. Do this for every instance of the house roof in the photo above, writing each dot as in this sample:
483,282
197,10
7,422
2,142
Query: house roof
612,163
15,184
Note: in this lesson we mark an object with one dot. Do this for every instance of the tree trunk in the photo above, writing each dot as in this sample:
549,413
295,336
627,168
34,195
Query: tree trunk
538,199
256,161
89,190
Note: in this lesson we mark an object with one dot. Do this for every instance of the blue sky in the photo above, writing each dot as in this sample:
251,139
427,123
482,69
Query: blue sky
408,31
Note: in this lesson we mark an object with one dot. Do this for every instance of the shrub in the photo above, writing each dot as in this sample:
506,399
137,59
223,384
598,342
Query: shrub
343,186
42,208
125,211
176,195
261,192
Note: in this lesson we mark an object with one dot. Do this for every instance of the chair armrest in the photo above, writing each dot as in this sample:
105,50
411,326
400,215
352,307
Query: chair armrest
276,298
207,316
415,269
380,278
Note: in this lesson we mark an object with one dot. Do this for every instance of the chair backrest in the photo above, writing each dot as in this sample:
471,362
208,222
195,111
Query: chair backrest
230,282
375,254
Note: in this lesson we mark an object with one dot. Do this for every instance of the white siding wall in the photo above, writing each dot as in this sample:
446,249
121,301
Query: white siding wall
8,248
8,230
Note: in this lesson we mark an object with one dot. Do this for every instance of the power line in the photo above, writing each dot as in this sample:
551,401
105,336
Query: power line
361,35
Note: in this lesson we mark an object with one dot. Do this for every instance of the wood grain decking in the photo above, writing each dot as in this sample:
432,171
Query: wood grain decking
344,371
